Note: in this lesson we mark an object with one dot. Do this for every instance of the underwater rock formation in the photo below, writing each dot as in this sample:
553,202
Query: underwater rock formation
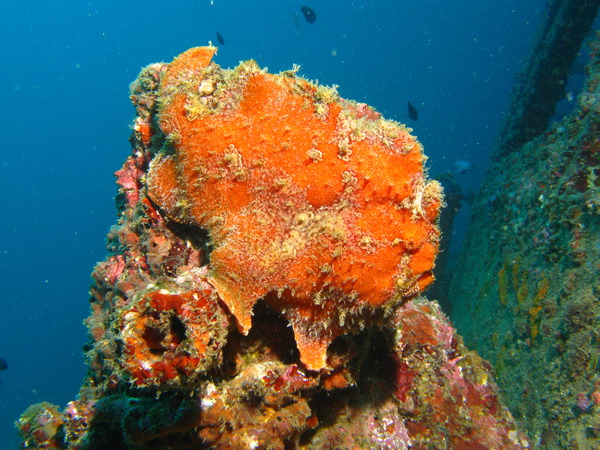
541,83
527,293
261,288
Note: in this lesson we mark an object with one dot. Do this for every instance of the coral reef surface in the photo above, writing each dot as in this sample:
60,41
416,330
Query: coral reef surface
262,283
527,295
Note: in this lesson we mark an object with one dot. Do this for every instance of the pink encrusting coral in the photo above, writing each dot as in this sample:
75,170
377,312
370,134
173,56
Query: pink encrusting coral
204,335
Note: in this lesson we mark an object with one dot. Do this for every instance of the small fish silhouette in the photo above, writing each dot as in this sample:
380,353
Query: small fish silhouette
309,14
3,364
462,167
413,113
220,38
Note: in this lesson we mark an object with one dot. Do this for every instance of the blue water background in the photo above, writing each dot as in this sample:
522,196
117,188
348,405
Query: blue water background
66,119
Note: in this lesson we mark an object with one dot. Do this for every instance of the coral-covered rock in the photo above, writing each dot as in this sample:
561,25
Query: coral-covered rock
39,426
267,202
316,204
170,338
535,311
440,381
230,418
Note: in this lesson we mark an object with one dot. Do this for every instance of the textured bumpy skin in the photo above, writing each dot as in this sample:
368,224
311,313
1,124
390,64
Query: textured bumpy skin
312,202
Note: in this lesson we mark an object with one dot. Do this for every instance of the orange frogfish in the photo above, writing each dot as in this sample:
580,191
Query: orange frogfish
313,203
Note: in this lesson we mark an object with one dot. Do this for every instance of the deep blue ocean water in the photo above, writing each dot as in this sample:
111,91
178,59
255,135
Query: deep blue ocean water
66,118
